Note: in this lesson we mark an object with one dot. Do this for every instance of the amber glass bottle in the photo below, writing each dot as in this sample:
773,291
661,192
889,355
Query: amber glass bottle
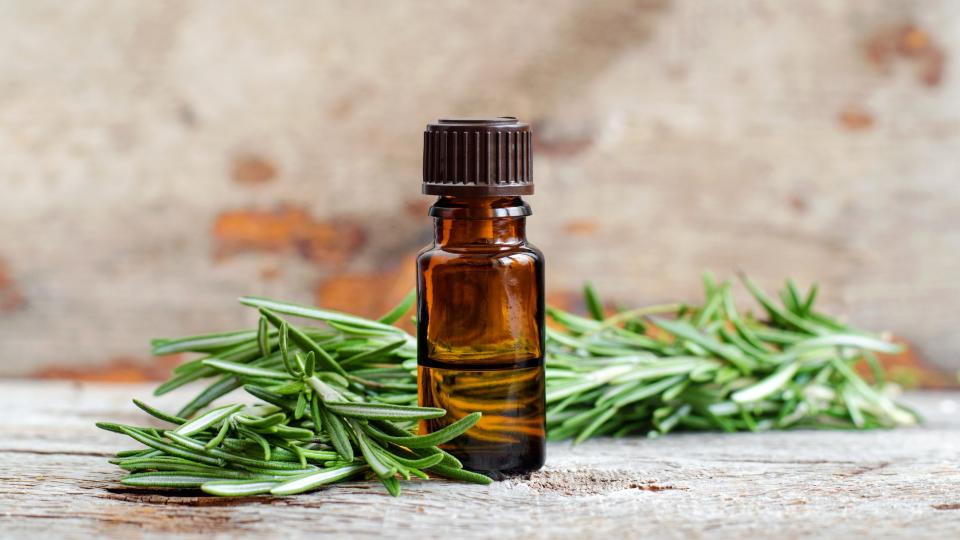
480,296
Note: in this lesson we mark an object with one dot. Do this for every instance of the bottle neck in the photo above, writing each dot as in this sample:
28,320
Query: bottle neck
479,221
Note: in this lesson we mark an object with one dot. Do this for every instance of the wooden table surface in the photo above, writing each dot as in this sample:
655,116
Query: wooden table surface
55,483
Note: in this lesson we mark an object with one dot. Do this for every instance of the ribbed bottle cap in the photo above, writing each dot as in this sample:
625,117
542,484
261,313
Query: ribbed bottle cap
474,157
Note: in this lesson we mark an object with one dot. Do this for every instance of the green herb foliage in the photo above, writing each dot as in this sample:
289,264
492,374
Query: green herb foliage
339,402
316,423
712,367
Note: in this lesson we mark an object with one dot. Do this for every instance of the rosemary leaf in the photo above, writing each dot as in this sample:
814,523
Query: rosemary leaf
157,413
207,343
377,411
400,309
207,420
436,438
169,479
238,488
316,479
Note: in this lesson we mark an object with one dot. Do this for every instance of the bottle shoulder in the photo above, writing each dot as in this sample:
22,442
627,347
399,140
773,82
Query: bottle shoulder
519,253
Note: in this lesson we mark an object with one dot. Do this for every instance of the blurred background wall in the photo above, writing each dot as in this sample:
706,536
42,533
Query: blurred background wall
158,159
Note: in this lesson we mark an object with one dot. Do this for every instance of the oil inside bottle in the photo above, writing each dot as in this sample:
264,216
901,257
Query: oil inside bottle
509,438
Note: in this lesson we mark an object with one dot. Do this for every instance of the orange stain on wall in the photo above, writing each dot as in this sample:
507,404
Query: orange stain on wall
582,227
911,43
117,370
11,298
855,119
369,294
252,169
286,229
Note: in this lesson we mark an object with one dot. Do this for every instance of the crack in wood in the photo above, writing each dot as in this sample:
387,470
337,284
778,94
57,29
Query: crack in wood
180,497
197,498
863,469
786,461
56,452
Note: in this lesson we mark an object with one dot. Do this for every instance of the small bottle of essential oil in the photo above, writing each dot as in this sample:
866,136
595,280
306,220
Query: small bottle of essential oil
480,297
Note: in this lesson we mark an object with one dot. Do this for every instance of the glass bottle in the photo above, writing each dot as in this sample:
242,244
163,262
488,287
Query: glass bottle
480,296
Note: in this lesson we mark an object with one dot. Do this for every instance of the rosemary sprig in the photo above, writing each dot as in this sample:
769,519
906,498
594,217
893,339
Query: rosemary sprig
712,368
337,402
315,427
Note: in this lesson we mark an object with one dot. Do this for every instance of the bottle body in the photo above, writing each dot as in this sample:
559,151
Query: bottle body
481,333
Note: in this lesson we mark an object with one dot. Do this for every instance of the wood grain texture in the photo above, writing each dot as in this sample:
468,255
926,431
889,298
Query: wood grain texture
55,482
159,159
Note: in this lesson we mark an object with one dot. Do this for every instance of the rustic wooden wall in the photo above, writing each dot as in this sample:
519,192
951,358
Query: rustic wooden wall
158,159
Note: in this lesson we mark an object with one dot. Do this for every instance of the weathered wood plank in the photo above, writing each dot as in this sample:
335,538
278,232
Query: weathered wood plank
55,482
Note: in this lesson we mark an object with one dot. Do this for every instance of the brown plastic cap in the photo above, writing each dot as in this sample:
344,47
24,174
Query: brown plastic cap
478,157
